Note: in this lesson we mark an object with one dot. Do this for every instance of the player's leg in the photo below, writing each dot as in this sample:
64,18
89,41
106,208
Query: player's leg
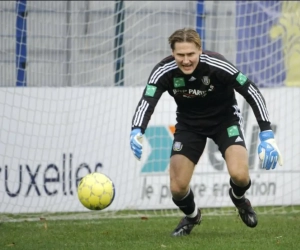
186,151
232,145
236,160
236,157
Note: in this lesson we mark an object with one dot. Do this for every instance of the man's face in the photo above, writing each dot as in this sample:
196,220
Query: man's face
186,55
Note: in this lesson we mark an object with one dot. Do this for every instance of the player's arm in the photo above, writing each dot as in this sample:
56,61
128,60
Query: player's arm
146,105
143,112
268,151
253,96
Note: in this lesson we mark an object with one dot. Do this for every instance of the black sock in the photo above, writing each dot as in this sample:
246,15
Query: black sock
237,190
187,204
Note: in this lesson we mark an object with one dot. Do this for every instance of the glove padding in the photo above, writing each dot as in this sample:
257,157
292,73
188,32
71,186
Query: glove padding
268,151
136,140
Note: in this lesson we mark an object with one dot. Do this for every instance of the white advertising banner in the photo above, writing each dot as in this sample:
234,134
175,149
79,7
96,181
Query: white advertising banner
51,137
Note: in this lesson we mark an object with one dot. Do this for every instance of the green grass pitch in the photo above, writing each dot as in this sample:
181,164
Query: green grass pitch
215,232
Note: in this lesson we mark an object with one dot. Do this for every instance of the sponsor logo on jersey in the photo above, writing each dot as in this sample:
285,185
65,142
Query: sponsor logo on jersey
241,79
191,93
178,82
178,91
205,80
197,92
192,79
211,88
238,139
150,90
233,131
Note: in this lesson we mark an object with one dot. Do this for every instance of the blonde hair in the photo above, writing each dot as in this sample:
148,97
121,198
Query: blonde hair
185,35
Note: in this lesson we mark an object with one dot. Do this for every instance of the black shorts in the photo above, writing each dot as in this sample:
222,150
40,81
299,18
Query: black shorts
191,143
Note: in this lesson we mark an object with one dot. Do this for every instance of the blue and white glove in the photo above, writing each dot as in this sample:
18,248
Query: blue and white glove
136,142
268,151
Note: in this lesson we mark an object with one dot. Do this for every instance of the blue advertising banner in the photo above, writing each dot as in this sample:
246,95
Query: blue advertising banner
260,54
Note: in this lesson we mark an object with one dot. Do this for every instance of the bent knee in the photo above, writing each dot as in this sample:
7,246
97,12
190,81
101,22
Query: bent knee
240,178
181,171
179,190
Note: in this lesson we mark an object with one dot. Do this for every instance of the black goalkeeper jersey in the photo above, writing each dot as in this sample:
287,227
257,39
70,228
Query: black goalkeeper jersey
204,98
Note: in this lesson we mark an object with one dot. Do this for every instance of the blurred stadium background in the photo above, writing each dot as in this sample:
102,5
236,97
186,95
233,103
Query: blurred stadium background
78,43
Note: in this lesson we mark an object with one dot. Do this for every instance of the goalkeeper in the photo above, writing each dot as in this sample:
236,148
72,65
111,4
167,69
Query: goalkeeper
203,85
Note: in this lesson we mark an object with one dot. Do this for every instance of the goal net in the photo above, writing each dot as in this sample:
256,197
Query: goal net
72,73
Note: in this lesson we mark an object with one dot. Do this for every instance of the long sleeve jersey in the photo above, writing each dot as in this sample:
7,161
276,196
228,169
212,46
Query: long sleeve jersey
204,98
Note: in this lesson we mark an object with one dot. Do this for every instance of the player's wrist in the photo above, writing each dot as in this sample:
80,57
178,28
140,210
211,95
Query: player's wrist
137,129
266,135
264,125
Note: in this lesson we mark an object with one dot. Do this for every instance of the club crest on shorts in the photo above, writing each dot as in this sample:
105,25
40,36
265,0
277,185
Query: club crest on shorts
177,146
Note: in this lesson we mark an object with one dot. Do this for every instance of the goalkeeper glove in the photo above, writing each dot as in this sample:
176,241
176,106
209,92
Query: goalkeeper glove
268,151
136,140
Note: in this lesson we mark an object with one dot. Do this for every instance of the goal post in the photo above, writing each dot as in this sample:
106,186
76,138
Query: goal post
86,64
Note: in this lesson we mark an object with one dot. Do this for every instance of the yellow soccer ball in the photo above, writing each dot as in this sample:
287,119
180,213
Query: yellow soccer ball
96,191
